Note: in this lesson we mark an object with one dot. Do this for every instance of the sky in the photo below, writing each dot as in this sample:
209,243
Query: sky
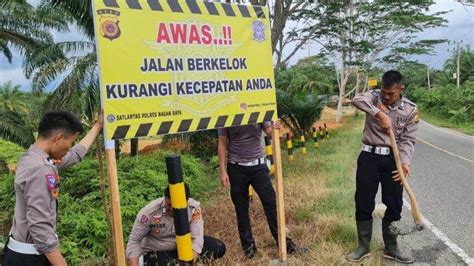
460,27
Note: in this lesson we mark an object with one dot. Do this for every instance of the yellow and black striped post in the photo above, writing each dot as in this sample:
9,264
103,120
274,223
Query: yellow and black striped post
315,138
303,143
289,146
326,130
321,132
180,209
269,153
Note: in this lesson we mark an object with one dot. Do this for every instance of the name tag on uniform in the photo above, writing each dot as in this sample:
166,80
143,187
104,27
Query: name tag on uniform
157,225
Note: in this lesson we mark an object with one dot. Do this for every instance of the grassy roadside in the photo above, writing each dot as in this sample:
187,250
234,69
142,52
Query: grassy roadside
319,192
467,128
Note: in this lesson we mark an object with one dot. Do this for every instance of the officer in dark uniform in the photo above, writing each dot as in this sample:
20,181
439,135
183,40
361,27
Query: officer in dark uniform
242,163
385,110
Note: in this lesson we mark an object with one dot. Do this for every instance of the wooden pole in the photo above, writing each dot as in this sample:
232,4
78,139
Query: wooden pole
415,210
280,196
115,204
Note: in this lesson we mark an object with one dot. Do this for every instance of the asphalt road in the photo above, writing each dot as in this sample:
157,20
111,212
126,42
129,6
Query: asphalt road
443,180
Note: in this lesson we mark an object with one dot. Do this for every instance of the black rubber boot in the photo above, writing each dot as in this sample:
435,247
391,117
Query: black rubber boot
391,251
364,234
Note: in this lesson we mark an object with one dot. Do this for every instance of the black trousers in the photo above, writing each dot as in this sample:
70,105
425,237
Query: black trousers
12,258
373,169
259,177
213,249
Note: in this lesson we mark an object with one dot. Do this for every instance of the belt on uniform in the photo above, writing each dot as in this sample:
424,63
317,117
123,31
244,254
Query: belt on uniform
376,149
23,248
255,162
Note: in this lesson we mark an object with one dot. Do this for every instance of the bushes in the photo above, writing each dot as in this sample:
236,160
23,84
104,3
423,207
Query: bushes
82,224
300,111
448,101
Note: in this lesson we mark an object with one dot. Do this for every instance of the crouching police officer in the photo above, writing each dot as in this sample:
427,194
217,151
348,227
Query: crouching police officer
153,234
33,239
386,110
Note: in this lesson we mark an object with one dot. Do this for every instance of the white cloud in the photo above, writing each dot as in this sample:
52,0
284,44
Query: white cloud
16,76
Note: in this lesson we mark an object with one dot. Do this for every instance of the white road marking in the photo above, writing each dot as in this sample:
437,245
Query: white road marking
443,150
448,132
455,248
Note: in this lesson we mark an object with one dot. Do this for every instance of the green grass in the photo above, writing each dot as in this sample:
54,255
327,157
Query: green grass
10,151
467,128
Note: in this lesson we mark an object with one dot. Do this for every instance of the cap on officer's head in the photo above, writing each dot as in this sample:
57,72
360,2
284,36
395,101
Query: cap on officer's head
186,190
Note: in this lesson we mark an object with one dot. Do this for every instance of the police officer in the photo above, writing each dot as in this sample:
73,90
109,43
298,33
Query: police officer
386,109
33,239
153,234
242,163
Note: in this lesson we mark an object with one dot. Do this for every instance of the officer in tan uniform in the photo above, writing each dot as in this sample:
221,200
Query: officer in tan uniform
153,234
385,109
33,239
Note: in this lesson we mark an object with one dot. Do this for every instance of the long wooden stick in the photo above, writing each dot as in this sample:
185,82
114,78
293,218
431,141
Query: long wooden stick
115,204
280,196
415,210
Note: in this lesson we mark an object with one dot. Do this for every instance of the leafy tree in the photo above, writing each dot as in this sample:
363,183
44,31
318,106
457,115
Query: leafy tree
23,28
312,74
12,99
300,110
14,128
357,32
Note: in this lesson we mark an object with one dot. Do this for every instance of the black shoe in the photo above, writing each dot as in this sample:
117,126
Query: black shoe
250,251
292,248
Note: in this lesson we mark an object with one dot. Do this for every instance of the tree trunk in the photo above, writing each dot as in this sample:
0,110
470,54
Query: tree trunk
134,147
342,91
357,89
278,23
117,149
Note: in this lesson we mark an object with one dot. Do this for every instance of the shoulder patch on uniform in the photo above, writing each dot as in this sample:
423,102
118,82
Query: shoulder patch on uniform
416,117
144,219
51,181
197,216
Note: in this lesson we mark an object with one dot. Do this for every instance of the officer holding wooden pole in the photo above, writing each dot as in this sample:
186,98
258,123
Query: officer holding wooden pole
385,110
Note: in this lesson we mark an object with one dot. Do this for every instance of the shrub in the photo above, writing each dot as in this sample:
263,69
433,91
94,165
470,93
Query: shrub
82,224
299,111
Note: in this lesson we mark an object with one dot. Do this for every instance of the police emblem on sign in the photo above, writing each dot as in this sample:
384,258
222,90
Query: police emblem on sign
109,23
111,118
258,29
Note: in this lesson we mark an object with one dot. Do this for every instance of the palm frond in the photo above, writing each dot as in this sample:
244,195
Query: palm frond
13,128
6,50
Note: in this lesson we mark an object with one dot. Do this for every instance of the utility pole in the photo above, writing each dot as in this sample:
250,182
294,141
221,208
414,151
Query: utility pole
428,74
458,62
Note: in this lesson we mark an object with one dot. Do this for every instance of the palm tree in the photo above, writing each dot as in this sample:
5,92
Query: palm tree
12,99
23,27
13,111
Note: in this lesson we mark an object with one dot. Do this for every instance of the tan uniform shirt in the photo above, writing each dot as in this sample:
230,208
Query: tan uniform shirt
36,189
153,229
404,116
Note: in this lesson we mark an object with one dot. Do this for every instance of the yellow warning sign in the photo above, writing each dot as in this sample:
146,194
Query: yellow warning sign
178,66
372,83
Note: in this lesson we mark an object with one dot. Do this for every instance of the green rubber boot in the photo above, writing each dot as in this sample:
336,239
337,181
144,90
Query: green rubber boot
391,251
364,234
